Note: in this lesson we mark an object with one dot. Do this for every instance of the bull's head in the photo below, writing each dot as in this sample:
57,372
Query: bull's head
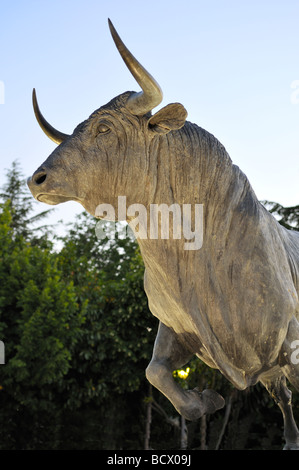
108,153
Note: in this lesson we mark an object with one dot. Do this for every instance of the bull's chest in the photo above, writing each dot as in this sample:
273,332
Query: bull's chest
171,302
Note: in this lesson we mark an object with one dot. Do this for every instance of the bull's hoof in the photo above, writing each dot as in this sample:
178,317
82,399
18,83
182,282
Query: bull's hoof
201,403
291,446
213,401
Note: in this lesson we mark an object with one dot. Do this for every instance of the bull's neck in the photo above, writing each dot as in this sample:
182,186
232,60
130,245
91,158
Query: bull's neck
187,166
191,167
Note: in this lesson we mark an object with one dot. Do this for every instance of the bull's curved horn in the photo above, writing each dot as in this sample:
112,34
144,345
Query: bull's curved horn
52,133
143,102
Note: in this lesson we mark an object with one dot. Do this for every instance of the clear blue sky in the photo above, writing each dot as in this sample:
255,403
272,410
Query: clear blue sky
231,63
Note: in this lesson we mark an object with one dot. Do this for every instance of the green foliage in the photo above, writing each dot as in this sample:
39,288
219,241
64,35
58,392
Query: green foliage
287,216
40,318
117,340
22,205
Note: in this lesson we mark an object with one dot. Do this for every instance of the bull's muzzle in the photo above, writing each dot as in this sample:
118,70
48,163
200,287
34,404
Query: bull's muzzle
36,180
45,190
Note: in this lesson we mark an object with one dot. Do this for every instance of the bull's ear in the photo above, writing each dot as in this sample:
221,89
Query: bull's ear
169,118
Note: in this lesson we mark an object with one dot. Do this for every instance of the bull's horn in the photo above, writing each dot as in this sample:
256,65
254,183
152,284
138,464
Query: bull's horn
54,135
143,102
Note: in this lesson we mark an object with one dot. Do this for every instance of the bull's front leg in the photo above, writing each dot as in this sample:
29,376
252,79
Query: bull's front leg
168,355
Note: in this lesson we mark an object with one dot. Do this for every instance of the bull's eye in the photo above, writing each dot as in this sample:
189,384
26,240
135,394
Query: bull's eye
103,128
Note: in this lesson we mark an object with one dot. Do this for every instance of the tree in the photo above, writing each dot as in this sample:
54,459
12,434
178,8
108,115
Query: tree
22,205
287,216
117,339
40,321
110,255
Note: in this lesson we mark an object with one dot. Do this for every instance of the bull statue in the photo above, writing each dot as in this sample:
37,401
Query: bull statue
233,302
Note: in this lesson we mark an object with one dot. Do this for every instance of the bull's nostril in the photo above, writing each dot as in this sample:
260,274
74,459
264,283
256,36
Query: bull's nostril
41,179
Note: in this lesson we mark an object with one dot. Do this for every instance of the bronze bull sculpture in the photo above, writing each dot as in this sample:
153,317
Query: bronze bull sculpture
233,302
